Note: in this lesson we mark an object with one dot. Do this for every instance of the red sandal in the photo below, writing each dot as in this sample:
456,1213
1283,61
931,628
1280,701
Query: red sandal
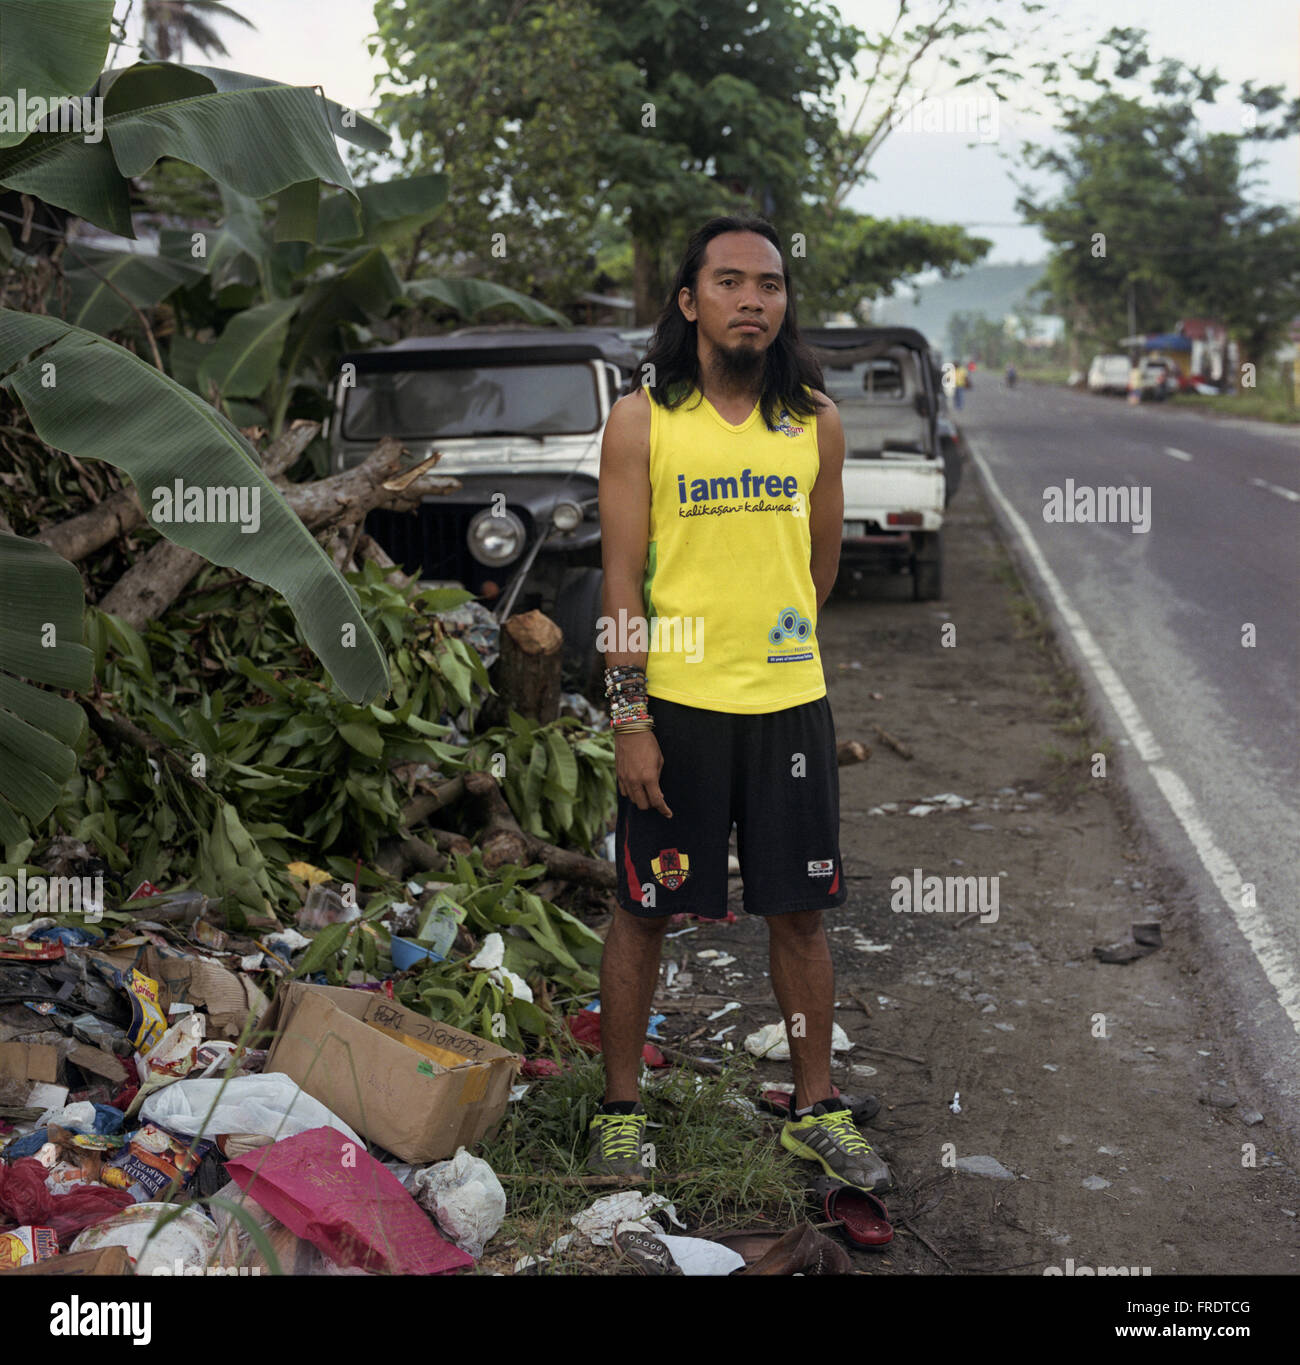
863,1216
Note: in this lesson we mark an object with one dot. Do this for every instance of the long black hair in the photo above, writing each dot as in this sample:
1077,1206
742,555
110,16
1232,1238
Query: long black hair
788,364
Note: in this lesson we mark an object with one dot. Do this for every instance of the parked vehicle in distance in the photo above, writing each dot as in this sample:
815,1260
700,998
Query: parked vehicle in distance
902,462
1159,379
517,413
1109,374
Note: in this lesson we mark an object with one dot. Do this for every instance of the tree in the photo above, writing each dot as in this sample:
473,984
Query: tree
678,109
1151,205
170,24
514,101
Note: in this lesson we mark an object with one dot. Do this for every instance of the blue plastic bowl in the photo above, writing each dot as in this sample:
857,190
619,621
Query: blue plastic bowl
406,952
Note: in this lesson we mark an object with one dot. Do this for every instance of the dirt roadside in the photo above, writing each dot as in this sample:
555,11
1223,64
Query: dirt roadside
1121,1136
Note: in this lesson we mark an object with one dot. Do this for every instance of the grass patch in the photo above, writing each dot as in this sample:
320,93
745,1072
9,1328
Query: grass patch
739,1175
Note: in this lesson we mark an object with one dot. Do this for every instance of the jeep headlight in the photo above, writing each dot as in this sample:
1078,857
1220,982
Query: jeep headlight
496,540
566,516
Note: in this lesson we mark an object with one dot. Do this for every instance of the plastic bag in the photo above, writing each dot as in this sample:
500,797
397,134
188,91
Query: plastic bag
271,1104
24,1198
340,1198
466,1198
238,1251
186,1241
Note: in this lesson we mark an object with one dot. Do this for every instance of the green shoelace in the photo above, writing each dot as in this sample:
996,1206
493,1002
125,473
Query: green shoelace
620,1134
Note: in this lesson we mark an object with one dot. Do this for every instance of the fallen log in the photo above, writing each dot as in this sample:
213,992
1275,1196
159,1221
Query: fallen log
122,511
418,809
433,857
502,841
150,586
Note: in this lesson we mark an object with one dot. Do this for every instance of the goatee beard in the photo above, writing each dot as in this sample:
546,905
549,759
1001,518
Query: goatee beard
738,368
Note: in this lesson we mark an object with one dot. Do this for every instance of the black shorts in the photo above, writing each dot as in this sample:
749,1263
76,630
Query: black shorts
774,775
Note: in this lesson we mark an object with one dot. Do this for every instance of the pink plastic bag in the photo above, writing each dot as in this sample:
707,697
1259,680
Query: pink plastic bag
334,1194
24,1198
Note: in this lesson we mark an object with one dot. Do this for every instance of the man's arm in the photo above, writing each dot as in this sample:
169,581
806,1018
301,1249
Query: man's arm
625,514
624,541
826,502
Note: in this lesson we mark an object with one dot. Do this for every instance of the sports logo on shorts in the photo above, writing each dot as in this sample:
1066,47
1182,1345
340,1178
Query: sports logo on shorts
671,868
821,867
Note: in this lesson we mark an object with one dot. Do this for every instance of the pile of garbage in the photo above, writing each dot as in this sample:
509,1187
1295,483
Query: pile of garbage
178,1097
161,1114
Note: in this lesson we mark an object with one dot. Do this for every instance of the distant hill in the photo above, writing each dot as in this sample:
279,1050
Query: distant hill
994,290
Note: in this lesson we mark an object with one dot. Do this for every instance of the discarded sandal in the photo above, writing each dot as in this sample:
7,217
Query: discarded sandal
801,1251
863,1216
645,1252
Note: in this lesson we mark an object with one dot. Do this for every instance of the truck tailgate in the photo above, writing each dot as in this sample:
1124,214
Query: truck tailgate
875,486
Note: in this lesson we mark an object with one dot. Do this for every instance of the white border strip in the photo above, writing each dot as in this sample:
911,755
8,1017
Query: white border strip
1252,923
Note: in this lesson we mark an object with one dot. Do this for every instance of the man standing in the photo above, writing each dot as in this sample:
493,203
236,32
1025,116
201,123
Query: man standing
721,503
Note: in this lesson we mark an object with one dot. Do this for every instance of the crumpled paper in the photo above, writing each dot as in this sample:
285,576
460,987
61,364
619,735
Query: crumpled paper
699,1256
465,1197
490,957
770,1041
628,1208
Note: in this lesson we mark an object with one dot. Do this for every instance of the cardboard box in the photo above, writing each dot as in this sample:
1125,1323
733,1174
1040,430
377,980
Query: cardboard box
29,1062
333,1042
107,1261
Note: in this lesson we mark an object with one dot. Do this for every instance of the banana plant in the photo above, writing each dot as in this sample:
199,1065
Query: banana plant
93,399
96,400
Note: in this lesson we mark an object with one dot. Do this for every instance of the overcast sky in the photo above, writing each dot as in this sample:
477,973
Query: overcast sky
933,175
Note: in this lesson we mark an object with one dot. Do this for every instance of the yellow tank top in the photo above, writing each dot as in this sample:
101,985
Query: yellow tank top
728,586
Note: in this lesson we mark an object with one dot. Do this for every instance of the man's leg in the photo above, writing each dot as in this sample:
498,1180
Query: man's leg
803,978
629,969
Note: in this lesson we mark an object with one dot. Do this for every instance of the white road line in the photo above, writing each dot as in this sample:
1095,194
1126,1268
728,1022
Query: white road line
1254,927
1176,453
1274,488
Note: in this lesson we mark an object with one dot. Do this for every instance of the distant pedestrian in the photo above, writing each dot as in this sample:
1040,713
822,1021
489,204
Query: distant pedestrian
960,379
1011,375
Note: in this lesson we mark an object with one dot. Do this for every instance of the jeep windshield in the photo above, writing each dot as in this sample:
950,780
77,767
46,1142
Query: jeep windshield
468,401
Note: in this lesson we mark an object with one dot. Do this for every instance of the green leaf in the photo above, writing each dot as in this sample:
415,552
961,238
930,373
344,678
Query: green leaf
51,50
97,279
322,948
365,739
388,209
110,405
224,134
245,358
469,298
41,607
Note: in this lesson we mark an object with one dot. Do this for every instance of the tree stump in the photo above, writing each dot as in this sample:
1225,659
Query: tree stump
527,675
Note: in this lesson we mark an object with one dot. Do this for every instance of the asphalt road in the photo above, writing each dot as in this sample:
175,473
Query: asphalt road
1159,622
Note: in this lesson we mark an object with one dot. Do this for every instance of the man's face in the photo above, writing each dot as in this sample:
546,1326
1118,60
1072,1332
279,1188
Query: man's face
739,301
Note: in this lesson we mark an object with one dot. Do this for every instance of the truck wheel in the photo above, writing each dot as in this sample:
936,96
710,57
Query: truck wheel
577,609
927,566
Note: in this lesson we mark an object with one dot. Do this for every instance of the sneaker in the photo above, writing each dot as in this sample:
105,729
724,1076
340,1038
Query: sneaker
616,1141
828,1137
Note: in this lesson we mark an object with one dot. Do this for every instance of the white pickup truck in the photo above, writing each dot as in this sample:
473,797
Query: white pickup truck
898,470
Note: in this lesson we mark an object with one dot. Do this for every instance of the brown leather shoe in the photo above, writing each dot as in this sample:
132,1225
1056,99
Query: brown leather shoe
801,1251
